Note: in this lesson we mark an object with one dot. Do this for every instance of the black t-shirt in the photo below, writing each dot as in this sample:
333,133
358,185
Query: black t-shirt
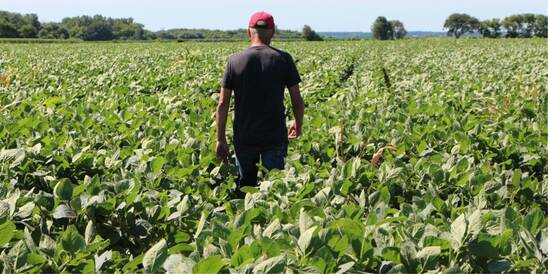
259,76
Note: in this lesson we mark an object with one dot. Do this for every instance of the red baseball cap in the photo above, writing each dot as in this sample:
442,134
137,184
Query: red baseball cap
261,20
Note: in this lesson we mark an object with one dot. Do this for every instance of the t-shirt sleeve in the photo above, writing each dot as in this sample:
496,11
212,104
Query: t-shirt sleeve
227,77
293,76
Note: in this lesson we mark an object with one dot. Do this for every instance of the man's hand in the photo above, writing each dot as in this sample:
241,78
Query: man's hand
297,104
222,151
294,132
222,113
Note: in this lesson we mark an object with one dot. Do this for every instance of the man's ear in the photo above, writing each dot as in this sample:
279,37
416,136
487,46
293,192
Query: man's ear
249,33
273,31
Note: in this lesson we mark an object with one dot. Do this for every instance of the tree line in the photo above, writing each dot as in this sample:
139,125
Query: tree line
89,28
201,34
519,25
100,28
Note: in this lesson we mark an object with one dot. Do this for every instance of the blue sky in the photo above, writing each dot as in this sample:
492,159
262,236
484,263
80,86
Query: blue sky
328,15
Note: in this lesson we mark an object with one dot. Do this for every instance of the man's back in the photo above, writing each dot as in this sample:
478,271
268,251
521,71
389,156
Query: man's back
259,76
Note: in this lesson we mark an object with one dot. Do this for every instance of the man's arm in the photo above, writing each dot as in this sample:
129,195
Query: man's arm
222,115
297,105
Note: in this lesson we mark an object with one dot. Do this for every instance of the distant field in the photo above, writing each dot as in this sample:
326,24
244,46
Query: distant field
361,35
37,41
417,155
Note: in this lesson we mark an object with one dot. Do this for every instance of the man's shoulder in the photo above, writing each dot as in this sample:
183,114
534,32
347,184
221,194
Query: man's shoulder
284,54
235,56
239,56
246,53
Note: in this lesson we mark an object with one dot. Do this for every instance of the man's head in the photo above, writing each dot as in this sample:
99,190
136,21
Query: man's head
261,27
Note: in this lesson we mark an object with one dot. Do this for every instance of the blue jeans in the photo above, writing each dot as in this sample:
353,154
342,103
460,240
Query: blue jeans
247,158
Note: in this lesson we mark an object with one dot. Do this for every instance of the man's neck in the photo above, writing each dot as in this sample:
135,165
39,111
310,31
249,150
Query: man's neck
258,43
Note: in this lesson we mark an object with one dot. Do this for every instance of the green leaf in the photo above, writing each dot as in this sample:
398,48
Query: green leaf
179,173
236,236
271,228
318,263
252,214
47,244
181,237
271,265
304,221
249,189
391,254
533,221
474,223
157,164
102,259
4,211
133,264
6,232
25,211
72,241
63,190
421,147
485,246
305,190
201,224
242,256
53,101
89,234
499,266
270,247
338,243
305,238
16,156
184,205
177,263
351,228
385,195
35,259
210,265
458,231
429,252
345,267
180,248
155,257
516,178
64,211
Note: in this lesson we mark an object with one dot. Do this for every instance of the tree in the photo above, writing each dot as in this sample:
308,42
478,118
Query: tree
490,28
528,25
458,24
382,29
149,35
15,25
8,30
126,28
27,31
512,24
310,35
32,19
77,26
520,25
98,31
541,25
53,31
398,29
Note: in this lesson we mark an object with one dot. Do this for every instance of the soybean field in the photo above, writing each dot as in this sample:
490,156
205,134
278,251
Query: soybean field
417,155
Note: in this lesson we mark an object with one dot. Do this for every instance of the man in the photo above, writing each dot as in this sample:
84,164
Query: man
258,76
